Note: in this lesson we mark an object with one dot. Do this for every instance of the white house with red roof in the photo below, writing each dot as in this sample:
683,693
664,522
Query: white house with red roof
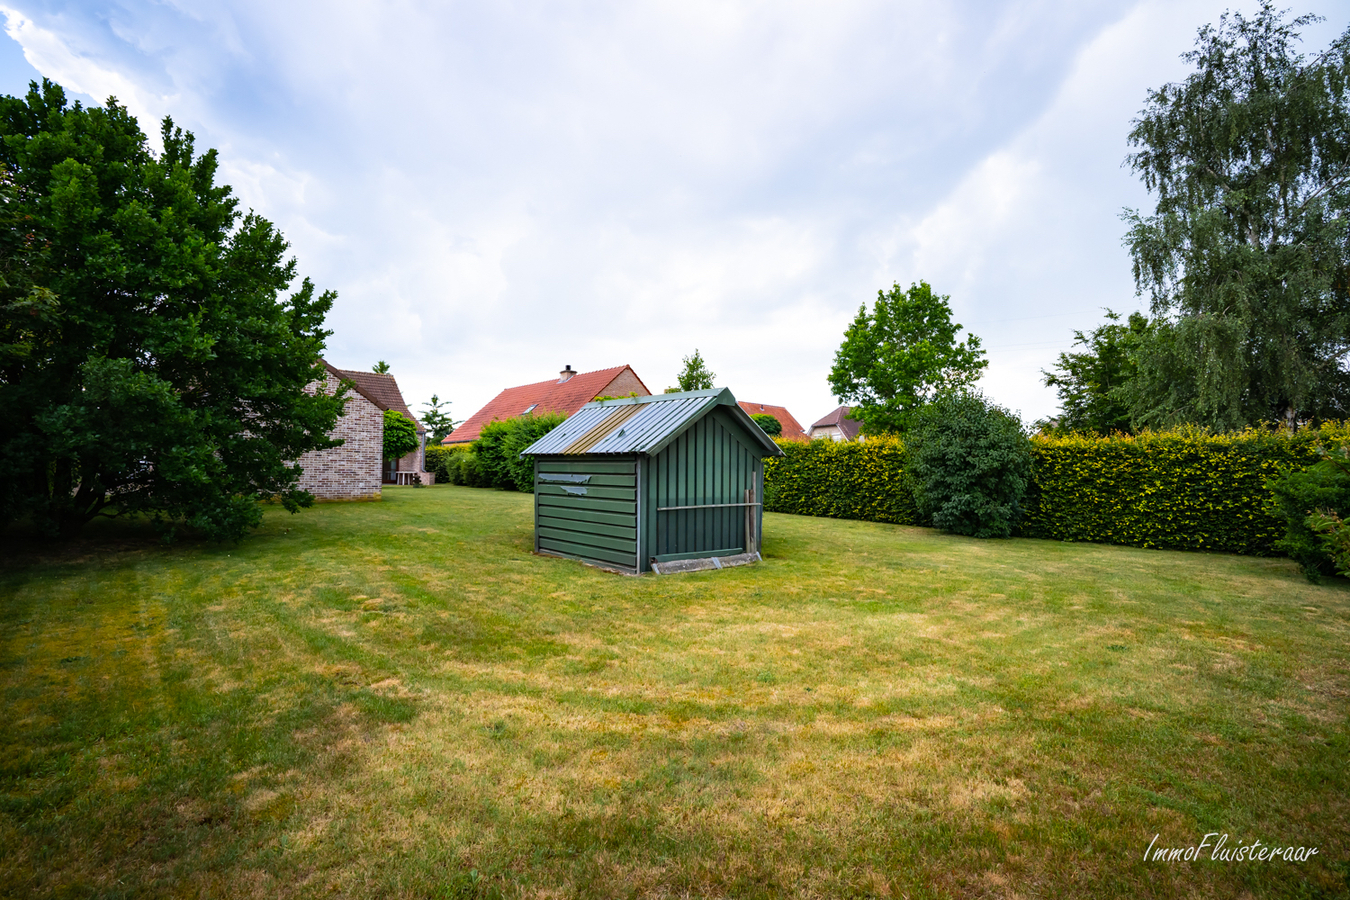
837,426
566,394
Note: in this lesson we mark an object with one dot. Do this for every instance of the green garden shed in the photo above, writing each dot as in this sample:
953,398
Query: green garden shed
639,481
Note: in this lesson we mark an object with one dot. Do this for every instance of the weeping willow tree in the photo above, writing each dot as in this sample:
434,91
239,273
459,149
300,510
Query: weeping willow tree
1246,258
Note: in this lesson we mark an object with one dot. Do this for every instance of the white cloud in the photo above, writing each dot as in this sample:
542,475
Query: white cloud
499,190
53,56
1028,243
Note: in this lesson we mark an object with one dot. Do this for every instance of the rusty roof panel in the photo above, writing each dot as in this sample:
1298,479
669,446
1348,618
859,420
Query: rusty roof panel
603,428
638,424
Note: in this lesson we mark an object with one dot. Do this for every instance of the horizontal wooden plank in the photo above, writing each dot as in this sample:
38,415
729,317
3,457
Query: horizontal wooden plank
596,553
617,467
628,531
602,493
581,514
597,503
590,539
623,567
627,481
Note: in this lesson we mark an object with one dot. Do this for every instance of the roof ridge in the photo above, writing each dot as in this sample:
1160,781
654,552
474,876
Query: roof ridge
516,387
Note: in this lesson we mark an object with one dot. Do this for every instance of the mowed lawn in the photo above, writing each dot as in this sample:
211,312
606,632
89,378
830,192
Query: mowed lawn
398,699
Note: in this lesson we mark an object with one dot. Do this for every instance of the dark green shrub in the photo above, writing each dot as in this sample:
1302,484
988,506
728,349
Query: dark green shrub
456,464
499,444
468,471
1312,502
1335,534
438,461
400,435
768,424
970,465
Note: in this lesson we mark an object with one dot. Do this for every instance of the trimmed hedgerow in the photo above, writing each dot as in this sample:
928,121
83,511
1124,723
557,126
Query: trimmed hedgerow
456,464
841,480
1181,489
438,462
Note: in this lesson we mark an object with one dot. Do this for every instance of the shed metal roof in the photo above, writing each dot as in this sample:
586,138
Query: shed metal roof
641,425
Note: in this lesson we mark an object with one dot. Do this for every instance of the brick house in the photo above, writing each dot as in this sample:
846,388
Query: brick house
356,469
566,394
792,429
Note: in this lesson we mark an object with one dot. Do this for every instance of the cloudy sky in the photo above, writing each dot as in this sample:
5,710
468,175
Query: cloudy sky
499,189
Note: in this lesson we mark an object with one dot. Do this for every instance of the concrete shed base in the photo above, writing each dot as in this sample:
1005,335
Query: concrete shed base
708,562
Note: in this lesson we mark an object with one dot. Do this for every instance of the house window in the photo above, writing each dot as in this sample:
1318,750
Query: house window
529,409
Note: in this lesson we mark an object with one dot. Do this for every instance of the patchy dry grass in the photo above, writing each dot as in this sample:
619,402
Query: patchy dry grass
399,700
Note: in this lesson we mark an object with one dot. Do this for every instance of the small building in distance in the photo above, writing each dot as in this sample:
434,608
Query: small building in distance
836,426
792,429
566,394
636,483
357,469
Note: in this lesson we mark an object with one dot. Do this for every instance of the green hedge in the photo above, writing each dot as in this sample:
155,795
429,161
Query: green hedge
1180,489
840,479
456,464
439,459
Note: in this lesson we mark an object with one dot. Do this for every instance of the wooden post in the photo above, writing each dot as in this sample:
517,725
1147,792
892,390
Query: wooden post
747,497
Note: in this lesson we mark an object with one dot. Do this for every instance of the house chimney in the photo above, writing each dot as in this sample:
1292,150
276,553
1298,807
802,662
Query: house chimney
566,373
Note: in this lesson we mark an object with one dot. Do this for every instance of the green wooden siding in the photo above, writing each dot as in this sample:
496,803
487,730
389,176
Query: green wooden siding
712,461
594,520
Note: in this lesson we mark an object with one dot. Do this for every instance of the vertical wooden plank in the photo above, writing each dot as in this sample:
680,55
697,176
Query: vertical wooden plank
740,483
667,468
536,506
638,520
716,473
654,501
653,520
662,466
692,517
700,434
681,482
724,476
759,510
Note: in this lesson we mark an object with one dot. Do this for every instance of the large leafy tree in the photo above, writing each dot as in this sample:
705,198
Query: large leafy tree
400,435
900,356
149,361
1090,382
1246,257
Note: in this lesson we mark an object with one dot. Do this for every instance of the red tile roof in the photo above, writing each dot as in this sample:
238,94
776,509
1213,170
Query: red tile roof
544,396
850,427
792,429
382,390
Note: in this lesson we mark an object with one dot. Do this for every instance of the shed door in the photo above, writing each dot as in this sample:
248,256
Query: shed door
709,467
